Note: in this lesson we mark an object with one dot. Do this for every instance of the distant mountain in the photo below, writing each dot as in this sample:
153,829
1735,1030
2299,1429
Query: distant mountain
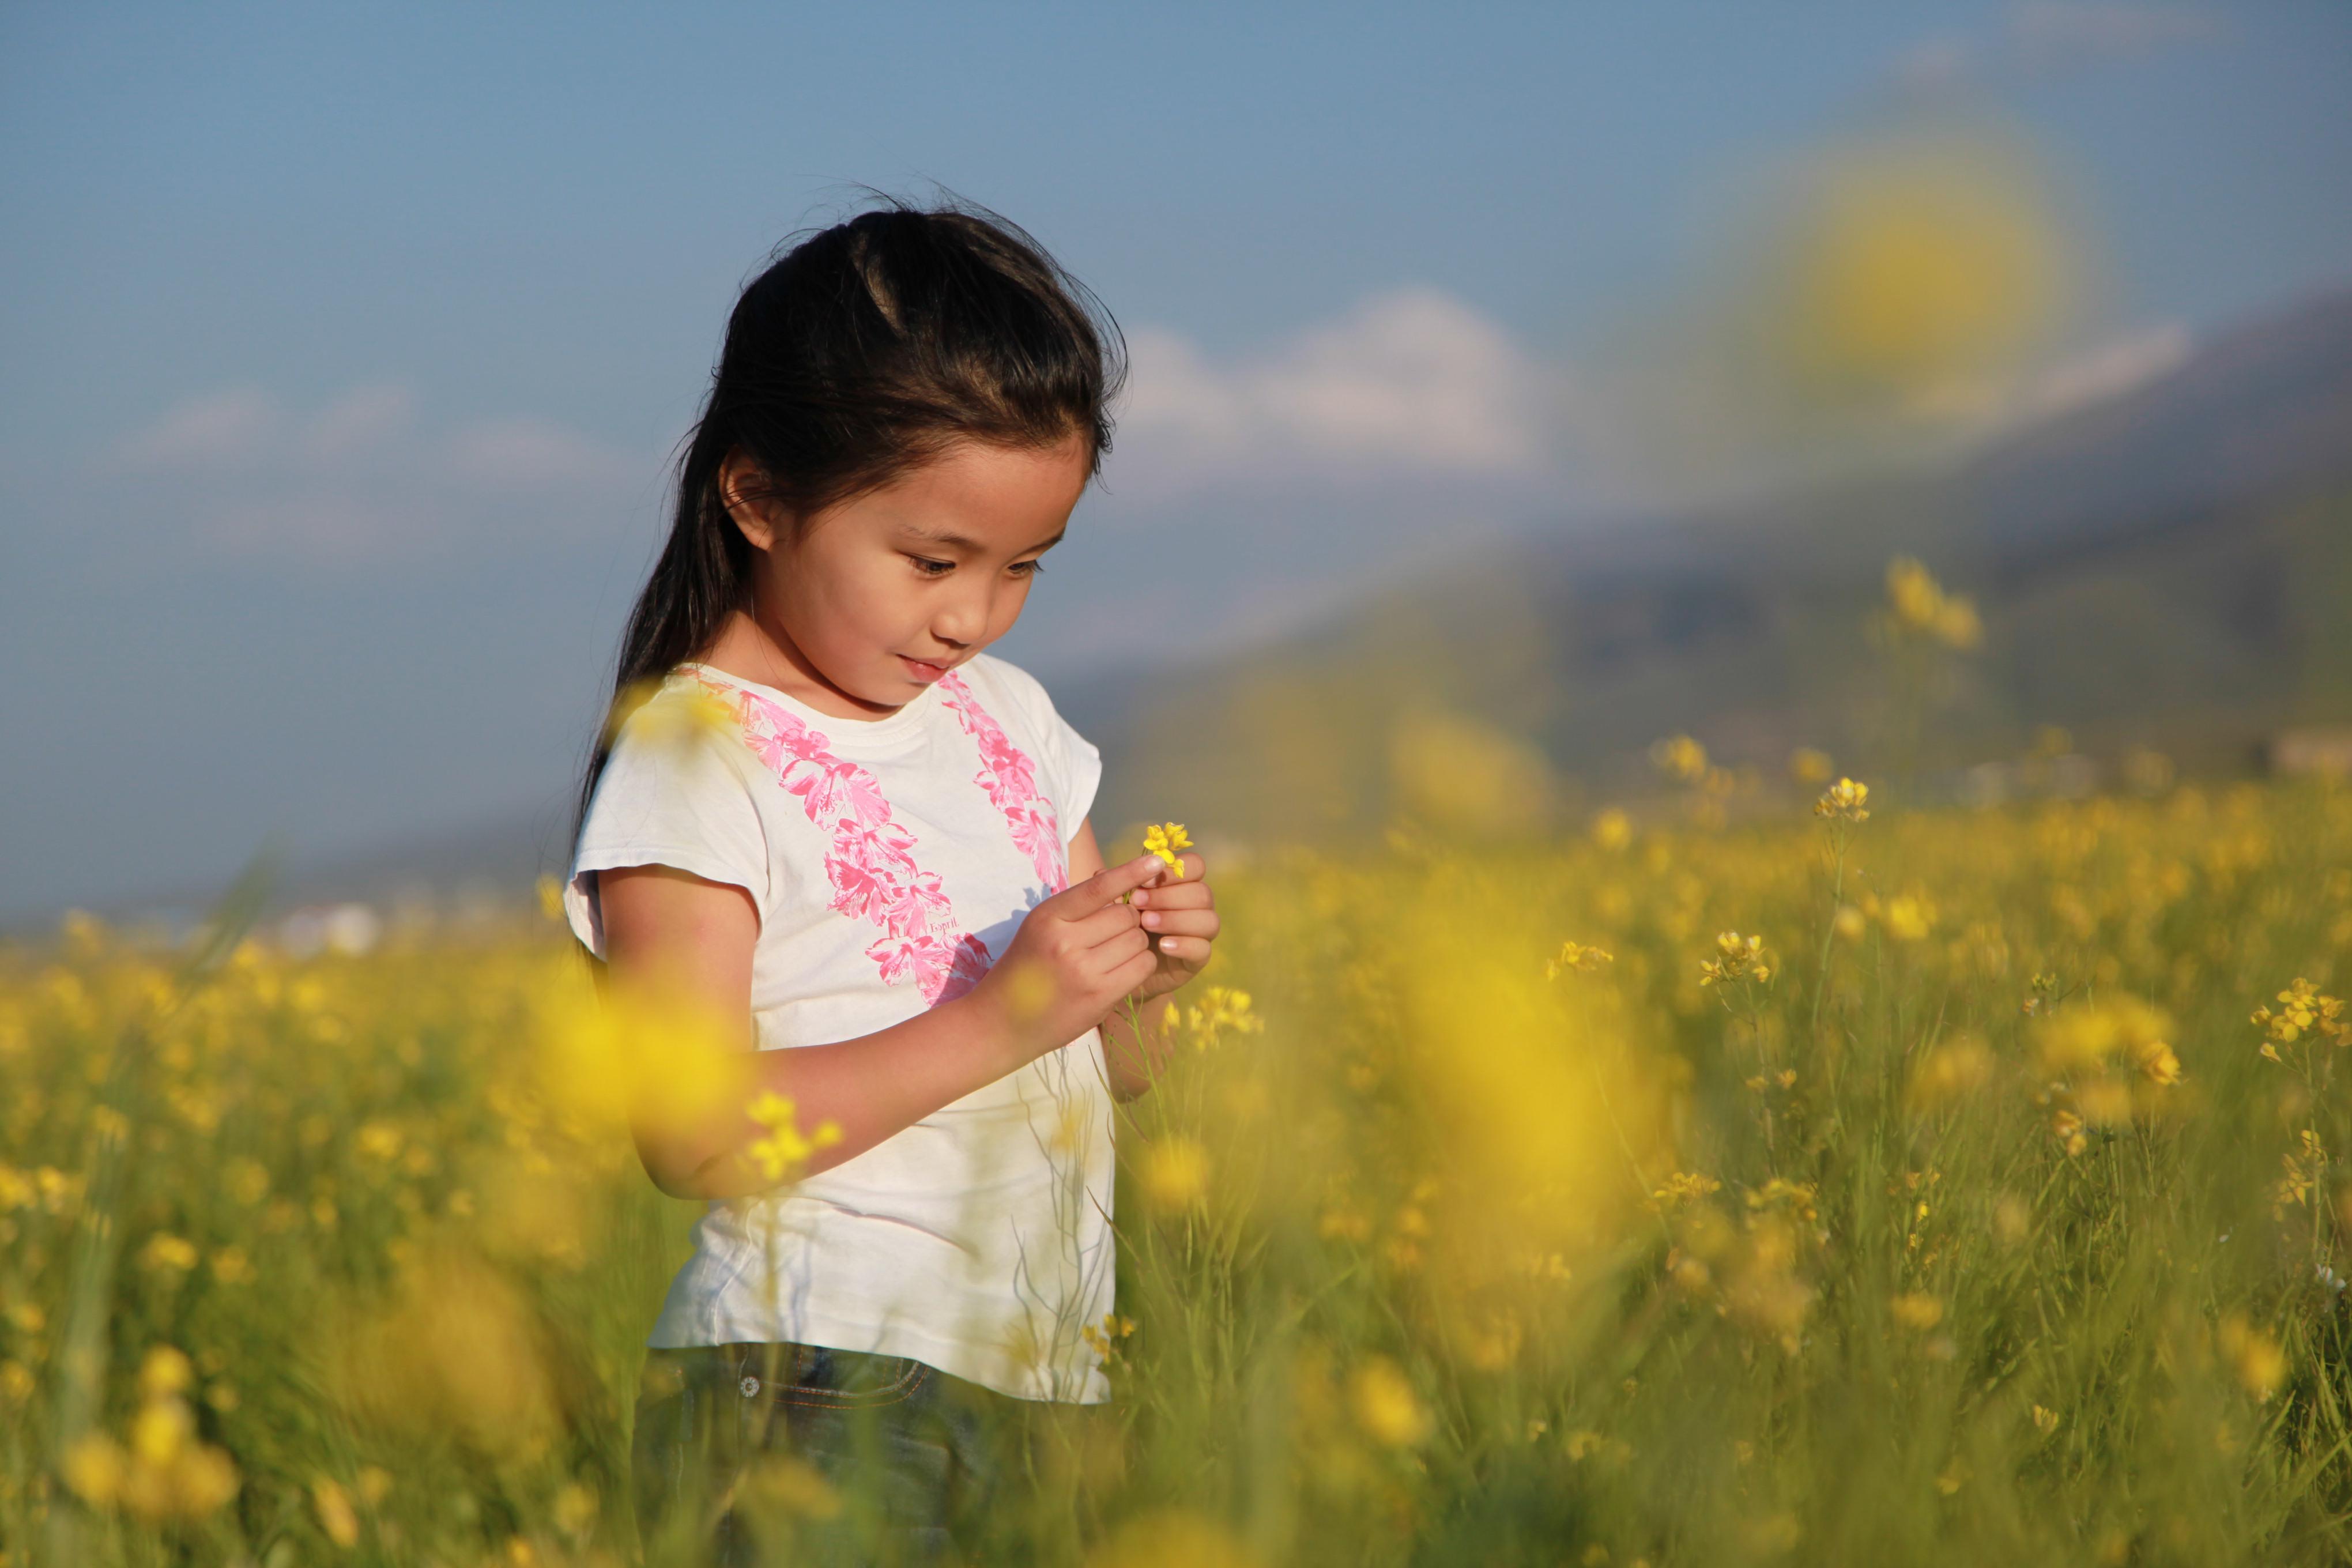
2171,568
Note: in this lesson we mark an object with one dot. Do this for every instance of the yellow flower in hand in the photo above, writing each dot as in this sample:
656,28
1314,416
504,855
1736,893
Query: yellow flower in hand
1163,839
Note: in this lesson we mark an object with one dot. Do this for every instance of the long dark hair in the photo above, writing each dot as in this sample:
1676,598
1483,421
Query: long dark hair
861,351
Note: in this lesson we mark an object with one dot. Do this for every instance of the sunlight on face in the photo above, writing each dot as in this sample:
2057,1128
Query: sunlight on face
882,593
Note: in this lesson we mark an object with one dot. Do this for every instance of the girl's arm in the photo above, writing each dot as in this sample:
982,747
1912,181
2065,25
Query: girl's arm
673,939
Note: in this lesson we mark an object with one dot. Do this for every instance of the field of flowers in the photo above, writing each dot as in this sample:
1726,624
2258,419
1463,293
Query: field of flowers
1861,1186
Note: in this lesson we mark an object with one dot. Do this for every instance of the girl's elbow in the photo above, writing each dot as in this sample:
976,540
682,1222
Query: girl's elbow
675,1171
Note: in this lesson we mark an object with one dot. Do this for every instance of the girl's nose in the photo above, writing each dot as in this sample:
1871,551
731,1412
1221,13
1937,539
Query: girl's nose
962,619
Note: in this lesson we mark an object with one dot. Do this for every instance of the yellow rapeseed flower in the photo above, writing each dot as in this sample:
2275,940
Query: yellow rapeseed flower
1685,1186
1579,958
2067,1128
1164,840
1737,958
1844,799
1220,1008
2301,1010
1679,757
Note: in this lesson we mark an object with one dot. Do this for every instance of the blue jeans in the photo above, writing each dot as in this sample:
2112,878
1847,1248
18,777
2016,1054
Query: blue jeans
756,1453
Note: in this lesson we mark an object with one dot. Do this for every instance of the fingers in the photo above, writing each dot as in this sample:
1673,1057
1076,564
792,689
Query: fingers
1165,922
1135,971
1119,950
1173,896
1092,930
1105,886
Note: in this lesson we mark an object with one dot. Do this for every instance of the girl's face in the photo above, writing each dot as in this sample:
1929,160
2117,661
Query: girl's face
878,597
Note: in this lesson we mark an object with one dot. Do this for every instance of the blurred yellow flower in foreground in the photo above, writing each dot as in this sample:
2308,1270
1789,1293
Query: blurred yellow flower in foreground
2253,1356
2077,1039
164,1472
1385,1405
1918,606
779,1483
1918,1311
1950,1071
1914,266
456,1350
336,1515
1172,1538
1174,1171
784,1150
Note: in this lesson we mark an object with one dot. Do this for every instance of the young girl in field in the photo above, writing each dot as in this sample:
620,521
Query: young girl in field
870,857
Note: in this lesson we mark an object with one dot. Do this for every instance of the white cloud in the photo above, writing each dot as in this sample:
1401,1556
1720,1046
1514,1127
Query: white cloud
2051,38
2053,35
365,417
231,426
358,479
1413,381
533,453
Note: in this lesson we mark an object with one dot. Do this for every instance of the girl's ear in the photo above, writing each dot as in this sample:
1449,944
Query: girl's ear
743,490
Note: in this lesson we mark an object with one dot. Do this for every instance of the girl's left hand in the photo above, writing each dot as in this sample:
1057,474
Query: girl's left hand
1181,917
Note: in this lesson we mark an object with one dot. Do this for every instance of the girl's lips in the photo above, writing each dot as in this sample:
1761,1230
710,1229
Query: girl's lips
922,671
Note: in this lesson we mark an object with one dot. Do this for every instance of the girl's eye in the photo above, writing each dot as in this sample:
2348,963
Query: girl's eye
1029,568
931,568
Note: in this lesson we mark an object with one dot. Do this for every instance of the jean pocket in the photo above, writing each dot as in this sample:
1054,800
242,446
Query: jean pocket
821,1377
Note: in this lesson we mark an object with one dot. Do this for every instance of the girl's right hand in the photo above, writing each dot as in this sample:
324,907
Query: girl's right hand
1075,956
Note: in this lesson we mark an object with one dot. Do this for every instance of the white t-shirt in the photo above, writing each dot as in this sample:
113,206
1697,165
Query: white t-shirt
891,861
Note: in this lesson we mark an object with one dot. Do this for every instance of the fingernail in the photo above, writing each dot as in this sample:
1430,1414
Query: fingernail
1152,918
1139,896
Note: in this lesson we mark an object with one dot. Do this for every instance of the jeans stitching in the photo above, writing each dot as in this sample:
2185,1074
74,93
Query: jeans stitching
749,1364
897,1393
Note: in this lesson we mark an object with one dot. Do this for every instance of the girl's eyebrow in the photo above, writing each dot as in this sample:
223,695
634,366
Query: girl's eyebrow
958,541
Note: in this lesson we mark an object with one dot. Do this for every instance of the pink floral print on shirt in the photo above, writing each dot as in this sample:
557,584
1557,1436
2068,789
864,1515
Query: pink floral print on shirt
871,861
1011,781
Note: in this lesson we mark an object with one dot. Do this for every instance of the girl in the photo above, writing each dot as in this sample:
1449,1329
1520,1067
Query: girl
841,827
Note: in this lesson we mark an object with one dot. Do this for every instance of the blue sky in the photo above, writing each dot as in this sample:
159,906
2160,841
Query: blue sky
342,346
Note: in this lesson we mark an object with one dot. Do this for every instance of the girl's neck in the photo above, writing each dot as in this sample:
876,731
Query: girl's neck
755,648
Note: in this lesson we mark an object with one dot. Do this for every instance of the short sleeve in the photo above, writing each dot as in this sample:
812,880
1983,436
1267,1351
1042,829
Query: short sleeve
672,793
1069,764
1080,766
